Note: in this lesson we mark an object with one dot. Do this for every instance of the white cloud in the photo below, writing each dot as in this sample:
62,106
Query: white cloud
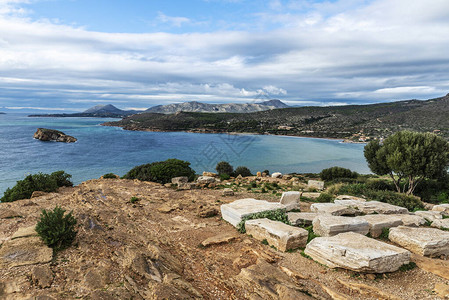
173,21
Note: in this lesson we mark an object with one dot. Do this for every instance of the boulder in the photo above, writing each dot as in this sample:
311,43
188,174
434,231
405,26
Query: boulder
46,135
315,184
379,222
228,192
301,218
443,208
357,252
424,241
333,209
429,215
179,180
442,224
24,251
234,212
327,225
282,236
276,175
210,174
291,200
347,197
411,220
371,207
205,179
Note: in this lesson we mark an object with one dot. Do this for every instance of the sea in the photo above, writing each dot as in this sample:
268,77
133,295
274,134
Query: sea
101,149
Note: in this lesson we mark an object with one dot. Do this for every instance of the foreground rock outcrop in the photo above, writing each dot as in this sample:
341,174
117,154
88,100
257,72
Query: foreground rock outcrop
51,135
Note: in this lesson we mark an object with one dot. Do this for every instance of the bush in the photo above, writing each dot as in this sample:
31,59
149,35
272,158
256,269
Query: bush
337,172
223,167
225,176
109,176
56,230
266,172
36,182
161,171
134,199
324,198
380,185
244,171
275,215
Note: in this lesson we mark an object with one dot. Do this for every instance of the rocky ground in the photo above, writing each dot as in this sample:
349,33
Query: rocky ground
174,245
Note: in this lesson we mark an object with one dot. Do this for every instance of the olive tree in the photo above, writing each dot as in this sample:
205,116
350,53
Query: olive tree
408,157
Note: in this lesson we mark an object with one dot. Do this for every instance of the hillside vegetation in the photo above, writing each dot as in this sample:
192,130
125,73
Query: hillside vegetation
353,121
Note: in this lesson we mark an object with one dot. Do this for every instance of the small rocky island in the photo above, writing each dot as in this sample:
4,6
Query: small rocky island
51,135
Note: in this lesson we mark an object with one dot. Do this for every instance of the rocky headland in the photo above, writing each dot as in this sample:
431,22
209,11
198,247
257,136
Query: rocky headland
143,240
51,135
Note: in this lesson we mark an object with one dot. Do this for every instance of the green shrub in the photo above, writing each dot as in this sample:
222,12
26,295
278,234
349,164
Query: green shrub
109,176
223,167
275,215
161,171
244,171
134,199
337,172
56,230
380,185
36,182
266,172
225,176
324,197
253,184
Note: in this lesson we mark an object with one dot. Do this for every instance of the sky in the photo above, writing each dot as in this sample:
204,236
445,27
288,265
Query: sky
69,55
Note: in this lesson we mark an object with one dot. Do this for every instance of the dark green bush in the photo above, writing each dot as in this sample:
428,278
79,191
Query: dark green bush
56,230
223,167
161,171
244,171
380,185
109,176
134,199
36,182
266,172
324,197
224,176
337,172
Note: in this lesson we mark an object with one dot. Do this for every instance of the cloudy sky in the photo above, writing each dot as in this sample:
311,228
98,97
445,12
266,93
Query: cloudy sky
73,54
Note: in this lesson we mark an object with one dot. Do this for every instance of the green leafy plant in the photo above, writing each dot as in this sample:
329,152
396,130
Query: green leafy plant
275,215
162,171
56,229
109,176
224,176
324,198
385,233
134,199
336,173
242,170
407,267
223,167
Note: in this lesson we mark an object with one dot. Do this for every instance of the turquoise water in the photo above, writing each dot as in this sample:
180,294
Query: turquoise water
101,150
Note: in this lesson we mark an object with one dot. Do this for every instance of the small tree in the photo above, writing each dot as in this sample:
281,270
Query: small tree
242,170
408,157
223,167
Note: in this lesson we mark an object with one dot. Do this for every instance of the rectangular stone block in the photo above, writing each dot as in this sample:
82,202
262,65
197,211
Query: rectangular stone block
234,212
315,184
357,252
379,222
334,209
301,218
291,200
429,215
325,225
443,208
424,241
282,236
371,207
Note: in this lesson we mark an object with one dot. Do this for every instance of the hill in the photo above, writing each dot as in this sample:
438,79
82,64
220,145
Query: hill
355,122
195,106
98,111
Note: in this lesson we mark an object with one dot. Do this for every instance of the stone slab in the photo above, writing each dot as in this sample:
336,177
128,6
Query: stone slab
326,225
411,220
424,241
24,232
301,218
218,239
282,236
443,208
357,252
348,197
371,207
234,212
379,222
333,209
291,200
315,184
24,251
442,224
429,215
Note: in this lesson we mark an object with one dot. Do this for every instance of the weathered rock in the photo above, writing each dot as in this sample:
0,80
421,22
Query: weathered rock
429,215
424,241
24,232
287,177
310,195
24,251
218,239
379,222
259,174
327,225
438,267
291,200
179,180
42,276
276,175
315,184
205,179
442,290
347,197
210,174
9,214
94,279
301,218
443,208
334,209
367,290
228,192
371,207
235,211
442,224
357,252
187,186
411,220
46,135
284,237
37,194
208,212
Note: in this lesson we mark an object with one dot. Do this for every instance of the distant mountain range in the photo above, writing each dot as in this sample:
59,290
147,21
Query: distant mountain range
354,122
110,111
